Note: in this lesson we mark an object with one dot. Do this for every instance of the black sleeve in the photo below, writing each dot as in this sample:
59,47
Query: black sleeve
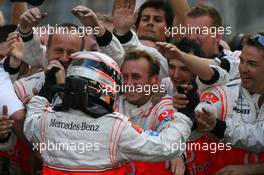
9,69
225,64
124,38
219,129
105,39
213,80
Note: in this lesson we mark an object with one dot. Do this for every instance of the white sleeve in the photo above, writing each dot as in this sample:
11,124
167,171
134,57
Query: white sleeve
245,135
146,145
25,86
35,111
115,50
8,96
222,79
35,52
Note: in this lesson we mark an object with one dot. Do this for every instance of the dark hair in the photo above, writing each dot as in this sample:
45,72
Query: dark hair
187,45
157,4
252,40
203,10
5,30
237,41
134,54
69,26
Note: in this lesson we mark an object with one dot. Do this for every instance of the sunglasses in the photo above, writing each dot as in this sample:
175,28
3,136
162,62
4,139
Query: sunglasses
259,38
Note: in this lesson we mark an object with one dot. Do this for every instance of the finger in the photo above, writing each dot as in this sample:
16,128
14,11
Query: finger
173,167
5,126
179,170
177,106
207,111
133,5
187,87
26,99
161,44
35,14
5,110
44,15
5,132
12,36
180,102
30,17
202,125
35,91
167,164
180,96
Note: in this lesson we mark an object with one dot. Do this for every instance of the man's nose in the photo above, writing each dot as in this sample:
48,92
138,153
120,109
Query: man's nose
65,57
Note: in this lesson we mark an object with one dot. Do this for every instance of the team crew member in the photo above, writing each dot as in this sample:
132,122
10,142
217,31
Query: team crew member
235,112
86,111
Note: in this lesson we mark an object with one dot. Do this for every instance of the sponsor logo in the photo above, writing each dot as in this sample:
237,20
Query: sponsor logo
83,126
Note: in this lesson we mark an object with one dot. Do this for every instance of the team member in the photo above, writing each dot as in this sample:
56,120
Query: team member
238,116
86,111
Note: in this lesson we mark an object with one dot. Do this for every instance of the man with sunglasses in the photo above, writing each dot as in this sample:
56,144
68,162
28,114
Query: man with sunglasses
239,117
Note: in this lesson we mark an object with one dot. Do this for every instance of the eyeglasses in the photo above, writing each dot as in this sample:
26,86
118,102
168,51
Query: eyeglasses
259,38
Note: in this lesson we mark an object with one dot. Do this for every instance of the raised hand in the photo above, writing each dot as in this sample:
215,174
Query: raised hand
170,51
15,46
124,15
5,123
29,19
86,16
89,19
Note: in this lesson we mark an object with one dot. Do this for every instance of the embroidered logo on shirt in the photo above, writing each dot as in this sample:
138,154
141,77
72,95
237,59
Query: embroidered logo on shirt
209,97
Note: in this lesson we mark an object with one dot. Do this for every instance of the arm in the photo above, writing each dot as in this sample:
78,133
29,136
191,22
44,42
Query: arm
231,129
107,42
179,7
34,52
199,66
35,110
152,145
18,8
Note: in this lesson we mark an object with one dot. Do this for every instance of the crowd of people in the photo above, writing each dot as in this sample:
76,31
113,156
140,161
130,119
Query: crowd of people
125,94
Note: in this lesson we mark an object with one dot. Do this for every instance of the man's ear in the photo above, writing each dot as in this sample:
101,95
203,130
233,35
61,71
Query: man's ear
218,37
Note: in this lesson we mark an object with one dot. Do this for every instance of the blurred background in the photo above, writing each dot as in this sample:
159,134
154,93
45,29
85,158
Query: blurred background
244,16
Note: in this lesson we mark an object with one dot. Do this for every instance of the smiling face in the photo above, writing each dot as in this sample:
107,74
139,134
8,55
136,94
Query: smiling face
62,46
152,24
179,73
251,69
209,42
136,73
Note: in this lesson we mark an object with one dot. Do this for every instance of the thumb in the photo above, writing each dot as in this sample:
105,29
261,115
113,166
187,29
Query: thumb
5,110
44,15
167,164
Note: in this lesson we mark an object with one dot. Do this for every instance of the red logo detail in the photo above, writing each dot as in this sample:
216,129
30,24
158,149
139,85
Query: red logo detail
137,128
209,97
165,114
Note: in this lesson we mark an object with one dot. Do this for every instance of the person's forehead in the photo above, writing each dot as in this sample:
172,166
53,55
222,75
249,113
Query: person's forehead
176,63
149,11
139,65
199,21
251,52
66,39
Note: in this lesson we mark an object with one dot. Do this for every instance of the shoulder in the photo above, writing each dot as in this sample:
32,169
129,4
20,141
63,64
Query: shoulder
118,116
